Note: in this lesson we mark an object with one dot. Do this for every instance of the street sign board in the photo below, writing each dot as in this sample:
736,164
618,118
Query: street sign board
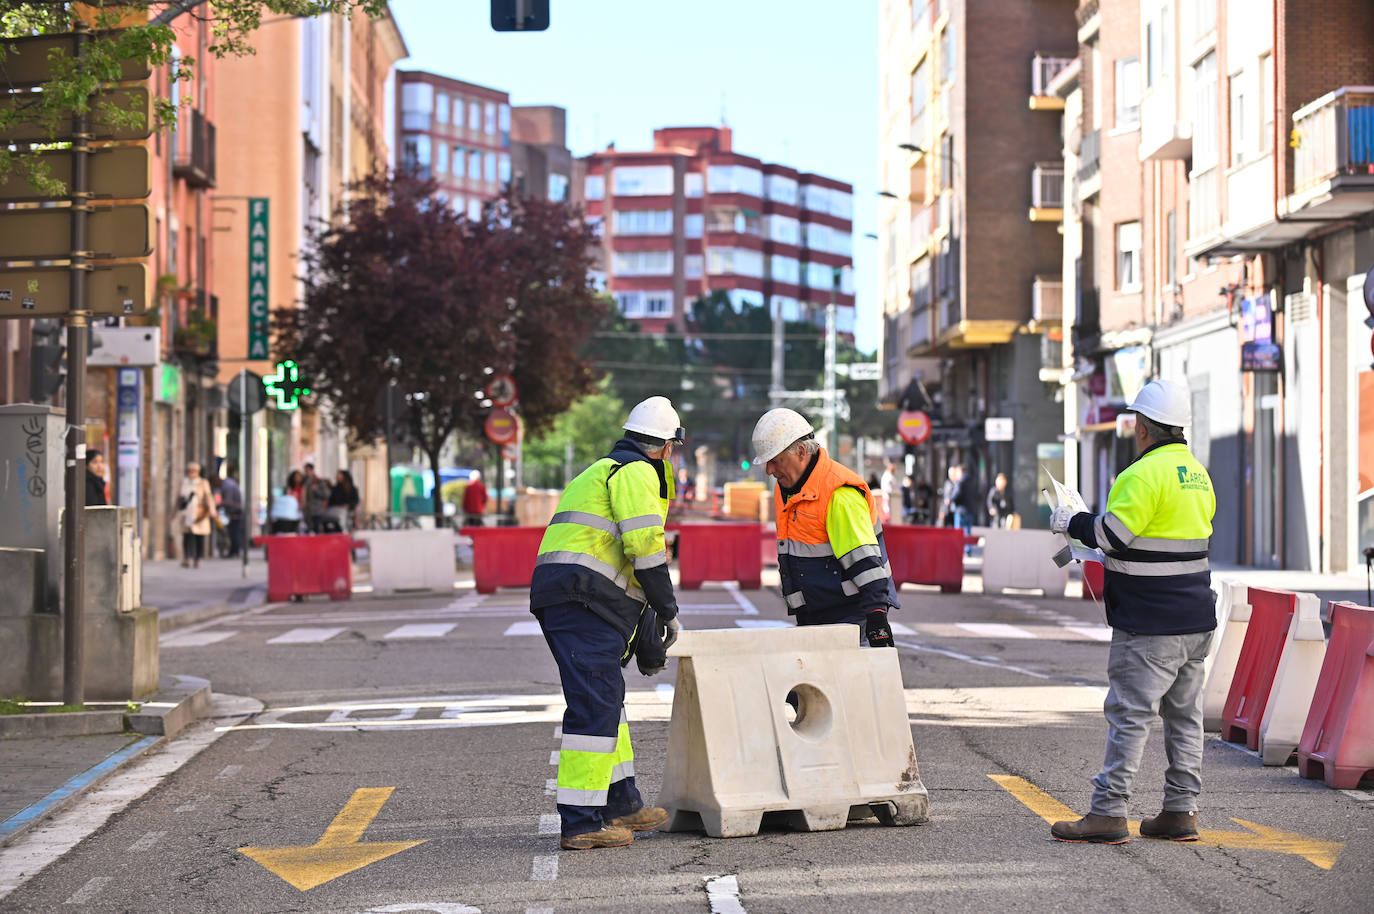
501,427
127,346
254,390
134,99
46,233
864,371
501,390
116,173
913,426
28,63
999,428
259,228
110,290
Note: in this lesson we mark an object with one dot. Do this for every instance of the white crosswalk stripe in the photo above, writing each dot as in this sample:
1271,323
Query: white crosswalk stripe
421,630
194,639
305,636
1095,632
994,630
524,628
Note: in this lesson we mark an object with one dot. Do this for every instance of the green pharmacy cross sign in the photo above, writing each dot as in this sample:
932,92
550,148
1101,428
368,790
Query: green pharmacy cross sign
286,385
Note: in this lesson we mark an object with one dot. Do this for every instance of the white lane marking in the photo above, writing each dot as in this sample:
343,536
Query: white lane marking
260,745
421,630
1095,632
539,911
550,824
553,757
228,772
146,842
524,628
723,894
994,630
194,639
187,807
545,868
665,692
558,732
955,655
745,604
899,628
28,856
1361,795
550,787
89,890
762,623
425,907
305,636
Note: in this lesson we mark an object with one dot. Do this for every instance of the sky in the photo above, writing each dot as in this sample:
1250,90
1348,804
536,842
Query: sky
796,80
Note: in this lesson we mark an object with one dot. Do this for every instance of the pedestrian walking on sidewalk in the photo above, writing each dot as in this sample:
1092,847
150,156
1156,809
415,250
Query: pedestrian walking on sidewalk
95,479
602,594
832,558
474,500
316,495
231,499
1160,606
196,502
1000,506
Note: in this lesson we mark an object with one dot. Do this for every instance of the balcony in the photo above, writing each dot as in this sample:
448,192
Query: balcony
196,335
1089,165
1047,192
1333,159
1047,300
1162,135
1044,68
1052,367
194,143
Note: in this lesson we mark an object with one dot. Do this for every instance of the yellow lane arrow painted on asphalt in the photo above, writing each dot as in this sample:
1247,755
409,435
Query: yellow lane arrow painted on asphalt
339,849
1258,838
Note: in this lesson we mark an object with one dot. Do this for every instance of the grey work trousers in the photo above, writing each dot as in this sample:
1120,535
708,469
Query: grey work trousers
1149,675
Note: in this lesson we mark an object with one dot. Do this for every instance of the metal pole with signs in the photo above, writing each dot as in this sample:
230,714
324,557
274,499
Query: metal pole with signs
248,396
128,421
259,229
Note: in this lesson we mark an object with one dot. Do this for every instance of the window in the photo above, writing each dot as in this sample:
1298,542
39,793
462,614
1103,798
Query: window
694,183
819,276
489,124
1205,113
1240,138
417,105
415,155
474,116
784,269
1266,102
734,261
1171,250
643,180
1201,19
460,204
1128,256
460,162
739,221
790,308
489,166
645,304
558,187
595,187
692,225
441,161
441,108
920,98
920,284
1128,92
1159,46
692,266
783,229
503,116
734,179
475,165
643,222
643,263
780,189
458,106
948,60
504,172
947,161
474,209
817,236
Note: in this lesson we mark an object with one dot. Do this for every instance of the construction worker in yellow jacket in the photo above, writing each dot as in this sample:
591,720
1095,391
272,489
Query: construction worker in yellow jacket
831,555
600,588
1154,536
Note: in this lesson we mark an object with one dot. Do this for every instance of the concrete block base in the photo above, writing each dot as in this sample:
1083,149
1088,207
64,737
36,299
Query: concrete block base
121,655
179,702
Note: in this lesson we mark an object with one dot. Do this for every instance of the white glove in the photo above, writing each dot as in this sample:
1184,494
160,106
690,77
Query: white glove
670,629
1059,520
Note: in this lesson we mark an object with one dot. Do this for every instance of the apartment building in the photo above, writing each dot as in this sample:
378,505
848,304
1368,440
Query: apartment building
971,170
1219,154
692,216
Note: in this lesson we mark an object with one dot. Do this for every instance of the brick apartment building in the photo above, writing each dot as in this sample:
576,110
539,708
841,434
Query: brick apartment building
969,230
692,216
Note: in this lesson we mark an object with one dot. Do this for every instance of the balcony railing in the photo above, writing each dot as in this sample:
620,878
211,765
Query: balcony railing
1044,68
1334,137
1204,209
1047,299
1052,352
920,327
194,141
1047,185
1089,153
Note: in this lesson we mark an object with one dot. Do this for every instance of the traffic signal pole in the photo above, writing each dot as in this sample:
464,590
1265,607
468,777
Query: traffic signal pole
78,330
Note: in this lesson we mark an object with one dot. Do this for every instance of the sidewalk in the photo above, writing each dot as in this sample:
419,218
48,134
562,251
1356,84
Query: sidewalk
185,596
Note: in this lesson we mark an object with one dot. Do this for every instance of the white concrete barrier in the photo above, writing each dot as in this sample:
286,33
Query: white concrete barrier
735,752
1022,559
1233,618
1295,682
410,559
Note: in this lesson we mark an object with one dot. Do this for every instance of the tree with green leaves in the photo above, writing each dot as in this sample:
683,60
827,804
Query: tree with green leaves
589,428
142,31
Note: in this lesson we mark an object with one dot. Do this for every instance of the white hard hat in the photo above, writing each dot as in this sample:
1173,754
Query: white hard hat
1167,402
657,418
775,430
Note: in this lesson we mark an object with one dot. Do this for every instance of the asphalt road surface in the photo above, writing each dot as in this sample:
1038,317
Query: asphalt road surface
389,755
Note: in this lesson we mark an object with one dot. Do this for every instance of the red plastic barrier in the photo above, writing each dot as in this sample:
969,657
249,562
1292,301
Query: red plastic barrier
503,556
1271,614
768,544
926,555
1094,581
720,552
1338,738
298,566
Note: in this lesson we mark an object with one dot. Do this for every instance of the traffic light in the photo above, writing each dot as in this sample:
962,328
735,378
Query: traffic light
46,368
519,15
744,465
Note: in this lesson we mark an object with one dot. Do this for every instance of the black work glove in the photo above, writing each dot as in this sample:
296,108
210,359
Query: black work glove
878,631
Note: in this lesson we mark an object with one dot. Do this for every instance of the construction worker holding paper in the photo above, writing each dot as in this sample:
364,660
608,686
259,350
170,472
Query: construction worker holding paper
1154,536
602,594
831,554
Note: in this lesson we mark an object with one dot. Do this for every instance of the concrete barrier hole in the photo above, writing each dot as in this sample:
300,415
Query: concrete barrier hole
814,717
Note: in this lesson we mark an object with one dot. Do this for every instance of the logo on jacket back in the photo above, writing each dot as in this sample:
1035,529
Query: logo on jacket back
1190,480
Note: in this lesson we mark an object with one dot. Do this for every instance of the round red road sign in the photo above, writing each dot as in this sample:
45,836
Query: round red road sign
501,390
501,427
913,426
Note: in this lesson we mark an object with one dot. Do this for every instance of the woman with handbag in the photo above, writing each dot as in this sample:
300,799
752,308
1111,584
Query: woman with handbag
197,505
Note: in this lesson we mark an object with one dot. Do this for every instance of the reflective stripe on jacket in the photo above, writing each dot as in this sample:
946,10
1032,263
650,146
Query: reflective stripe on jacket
831,552
1155,535
605,546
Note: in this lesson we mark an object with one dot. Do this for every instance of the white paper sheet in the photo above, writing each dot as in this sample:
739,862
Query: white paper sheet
1077,550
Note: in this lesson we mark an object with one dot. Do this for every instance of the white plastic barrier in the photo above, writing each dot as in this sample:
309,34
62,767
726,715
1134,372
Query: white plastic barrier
734,754
410,559
1022,559
1295,683
1233,618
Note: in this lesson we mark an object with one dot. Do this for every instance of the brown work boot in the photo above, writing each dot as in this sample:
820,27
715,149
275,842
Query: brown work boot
646,818
1171,826
608,836
1093,829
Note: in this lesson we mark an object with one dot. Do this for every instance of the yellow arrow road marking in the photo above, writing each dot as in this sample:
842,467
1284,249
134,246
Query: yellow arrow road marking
339,849
1259,837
